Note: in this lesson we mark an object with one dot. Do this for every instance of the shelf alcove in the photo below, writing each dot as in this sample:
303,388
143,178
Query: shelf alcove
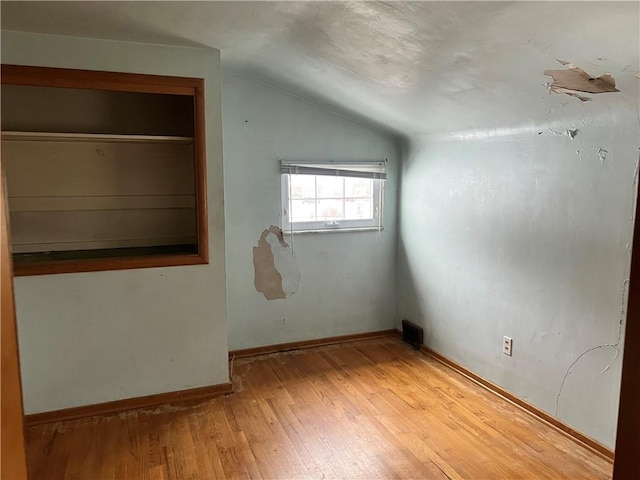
104,170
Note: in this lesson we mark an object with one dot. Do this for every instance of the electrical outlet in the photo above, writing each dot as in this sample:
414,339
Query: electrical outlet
507,343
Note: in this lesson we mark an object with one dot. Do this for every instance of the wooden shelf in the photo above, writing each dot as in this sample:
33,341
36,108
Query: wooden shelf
120,252
92,137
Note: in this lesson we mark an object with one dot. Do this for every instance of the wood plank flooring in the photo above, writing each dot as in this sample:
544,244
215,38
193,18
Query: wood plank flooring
369,409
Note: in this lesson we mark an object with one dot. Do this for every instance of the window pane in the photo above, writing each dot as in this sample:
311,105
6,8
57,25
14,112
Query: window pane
303,211
303,186
357,208
357,187
330,209
330,187
316,200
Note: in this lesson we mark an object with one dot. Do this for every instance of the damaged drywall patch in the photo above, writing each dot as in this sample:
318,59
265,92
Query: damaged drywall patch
267,279
285,262
574,81
275,266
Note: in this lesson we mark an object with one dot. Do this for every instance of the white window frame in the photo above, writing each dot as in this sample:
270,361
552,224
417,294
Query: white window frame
373,170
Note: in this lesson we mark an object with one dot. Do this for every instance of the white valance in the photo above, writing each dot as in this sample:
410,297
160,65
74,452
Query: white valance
364,169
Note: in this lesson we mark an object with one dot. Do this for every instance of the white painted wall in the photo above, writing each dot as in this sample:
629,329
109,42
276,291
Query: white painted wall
516,231
87,338
348,280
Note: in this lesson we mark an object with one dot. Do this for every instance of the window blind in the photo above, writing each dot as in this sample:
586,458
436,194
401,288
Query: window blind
374,170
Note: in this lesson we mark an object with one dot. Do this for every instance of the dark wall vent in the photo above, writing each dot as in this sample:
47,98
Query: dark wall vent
412,334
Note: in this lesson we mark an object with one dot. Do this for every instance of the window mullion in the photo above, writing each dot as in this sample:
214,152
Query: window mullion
315,197
290,199
344,202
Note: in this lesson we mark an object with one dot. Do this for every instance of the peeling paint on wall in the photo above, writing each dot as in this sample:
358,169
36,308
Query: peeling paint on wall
275,266
602,154
574,80
571,133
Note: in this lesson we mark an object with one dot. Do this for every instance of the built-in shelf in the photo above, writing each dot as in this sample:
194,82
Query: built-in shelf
92,137
117,180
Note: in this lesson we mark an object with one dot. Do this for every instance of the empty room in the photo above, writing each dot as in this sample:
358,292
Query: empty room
328,239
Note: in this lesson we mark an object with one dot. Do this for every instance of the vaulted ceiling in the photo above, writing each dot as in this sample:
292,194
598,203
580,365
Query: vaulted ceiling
409,67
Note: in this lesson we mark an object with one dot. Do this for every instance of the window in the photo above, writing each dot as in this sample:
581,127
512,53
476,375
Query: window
105,171
332,196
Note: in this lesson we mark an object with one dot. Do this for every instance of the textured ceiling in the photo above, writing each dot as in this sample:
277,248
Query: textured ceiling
410,67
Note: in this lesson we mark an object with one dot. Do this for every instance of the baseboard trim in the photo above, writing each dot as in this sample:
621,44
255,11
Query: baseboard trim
180,396
318,342
204,393
580,438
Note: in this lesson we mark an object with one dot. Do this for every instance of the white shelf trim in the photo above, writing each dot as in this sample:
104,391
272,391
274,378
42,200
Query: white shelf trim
91,137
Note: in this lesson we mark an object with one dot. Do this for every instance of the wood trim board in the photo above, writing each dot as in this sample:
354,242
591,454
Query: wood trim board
10,135
319,342
200,156
194,394
13,463
627,464
180,396
571,432
98,80
203,393
102,264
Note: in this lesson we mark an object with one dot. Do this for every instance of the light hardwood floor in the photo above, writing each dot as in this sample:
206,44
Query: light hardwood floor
369,409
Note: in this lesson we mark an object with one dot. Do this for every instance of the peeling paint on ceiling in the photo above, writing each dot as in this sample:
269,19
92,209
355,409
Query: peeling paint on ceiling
408,67
573,80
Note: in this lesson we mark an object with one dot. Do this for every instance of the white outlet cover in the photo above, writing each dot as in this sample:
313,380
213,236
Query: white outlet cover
507,345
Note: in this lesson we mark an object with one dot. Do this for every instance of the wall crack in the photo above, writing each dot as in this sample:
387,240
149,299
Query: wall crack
623,303
625,288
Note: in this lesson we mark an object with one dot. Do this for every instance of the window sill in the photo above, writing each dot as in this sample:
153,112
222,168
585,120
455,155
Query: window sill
334,230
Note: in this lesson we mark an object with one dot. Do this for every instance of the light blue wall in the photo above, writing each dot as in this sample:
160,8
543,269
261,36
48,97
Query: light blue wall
348,280
88,338
525,232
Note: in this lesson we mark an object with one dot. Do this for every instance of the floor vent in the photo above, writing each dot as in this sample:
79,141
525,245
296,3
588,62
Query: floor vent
412,334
